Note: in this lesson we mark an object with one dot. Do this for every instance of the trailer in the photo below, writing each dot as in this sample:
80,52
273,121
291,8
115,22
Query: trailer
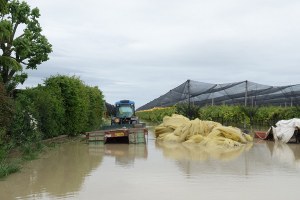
129,133
125,126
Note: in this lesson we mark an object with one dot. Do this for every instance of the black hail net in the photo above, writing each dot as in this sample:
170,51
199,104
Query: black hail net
245,93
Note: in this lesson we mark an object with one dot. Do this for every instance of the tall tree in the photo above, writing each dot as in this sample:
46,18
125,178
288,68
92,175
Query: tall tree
19,49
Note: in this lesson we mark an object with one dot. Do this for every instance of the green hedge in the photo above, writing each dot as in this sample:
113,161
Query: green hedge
24,127
270,115
75,102
63,105
156,114
228,115
6,113
96,108
191,111
7,109
48,110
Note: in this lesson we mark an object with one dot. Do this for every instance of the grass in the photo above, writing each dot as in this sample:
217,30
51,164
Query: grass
11,161
8,167
31,151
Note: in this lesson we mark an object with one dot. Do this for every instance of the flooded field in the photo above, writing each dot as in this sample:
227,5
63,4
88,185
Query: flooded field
78,170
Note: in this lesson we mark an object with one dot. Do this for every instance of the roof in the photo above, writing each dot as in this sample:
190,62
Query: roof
124,102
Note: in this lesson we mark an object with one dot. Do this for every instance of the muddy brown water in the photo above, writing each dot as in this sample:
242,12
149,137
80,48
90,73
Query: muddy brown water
78,170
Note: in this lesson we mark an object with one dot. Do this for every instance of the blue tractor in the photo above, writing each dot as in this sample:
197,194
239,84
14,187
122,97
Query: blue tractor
125,126
124,113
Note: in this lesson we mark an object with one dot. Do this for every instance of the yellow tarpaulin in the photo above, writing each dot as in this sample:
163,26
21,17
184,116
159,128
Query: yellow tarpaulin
178,128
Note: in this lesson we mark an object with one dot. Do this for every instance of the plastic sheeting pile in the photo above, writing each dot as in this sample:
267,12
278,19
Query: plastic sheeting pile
178,128
285,129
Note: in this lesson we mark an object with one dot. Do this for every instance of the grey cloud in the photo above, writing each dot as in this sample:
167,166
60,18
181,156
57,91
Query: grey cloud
140,49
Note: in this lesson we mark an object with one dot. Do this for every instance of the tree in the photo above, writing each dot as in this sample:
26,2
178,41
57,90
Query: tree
6,113
27,49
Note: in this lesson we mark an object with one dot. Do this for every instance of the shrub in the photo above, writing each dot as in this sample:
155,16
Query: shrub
227,115
156,114
7,168
6,113
269,115
50,109
83,105
63,105
191,111
75,101
24,128
96,108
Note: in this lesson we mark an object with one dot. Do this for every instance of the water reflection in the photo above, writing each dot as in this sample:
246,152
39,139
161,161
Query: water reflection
125,154
194,160
61,173
182,151
93,171
286,154
262,159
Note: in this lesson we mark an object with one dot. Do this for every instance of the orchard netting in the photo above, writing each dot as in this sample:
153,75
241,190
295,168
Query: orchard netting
245,93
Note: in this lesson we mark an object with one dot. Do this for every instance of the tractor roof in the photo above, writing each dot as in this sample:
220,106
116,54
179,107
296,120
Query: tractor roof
124,102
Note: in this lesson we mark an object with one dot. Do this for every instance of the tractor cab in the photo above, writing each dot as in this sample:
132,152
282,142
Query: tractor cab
124,113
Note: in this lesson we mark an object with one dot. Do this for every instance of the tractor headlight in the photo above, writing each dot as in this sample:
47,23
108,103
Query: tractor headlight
116,120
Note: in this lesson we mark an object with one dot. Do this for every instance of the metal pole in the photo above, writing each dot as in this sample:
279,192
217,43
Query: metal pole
246,93
246,96
189,99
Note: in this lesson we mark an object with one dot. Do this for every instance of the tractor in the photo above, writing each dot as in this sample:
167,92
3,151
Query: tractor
124,113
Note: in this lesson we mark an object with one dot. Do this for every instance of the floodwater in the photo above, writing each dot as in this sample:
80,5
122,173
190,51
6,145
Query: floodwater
78,170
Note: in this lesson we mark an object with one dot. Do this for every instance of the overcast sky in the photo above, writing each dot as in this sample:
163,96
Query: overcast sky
140,49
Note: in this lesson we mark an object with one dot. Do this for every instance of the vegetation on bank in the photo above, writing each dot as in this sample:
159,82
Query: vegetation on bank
155,114
227,115
63,105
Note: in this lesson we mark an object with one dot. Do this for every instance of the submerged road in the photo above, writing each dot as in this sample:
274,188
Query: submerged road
78,170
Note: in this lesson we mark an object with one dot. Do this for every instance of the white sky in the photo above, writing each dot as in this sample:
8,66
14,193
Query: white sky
140,49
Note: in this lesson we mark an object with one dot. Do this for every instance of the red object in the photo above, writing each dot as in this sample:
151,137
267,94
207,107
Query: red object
261,134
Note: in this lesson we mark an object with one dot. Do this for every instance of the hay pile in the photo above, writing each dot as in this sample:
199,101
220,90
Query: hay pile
178,128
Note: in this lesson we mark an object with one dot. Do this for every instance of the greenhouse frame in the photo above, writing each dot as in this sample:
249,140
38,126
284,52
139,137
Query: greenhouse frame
245,93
